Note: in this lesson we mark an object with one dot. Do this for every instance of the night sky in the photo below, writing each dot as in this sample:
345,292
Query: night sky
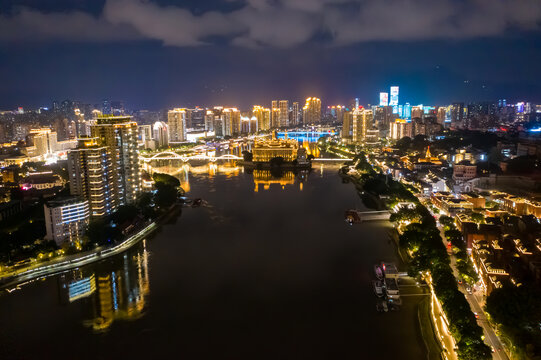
157,54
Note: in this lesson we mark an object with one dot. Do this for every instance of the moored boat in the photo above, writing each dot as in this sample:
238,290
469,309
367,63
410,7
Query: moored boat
378,288
378,272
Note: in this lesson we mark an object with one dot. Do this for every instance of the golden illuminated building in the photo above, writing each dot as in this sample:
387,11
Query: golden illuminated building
263,116
265,150
119,135
312,111
176,122
400,128
90,168
361,120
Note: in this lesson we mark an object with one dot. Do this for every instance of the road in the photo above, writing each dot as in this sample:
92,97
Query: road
69,262
476,302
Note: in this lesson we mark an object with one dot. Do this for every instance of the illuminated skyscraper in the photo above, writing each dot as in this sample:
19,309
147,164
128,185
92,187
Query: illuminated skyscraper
394,96
361,120
263,116
347,127
283,114
231,121
383,99
90,168
295,114
119,135
312,111
275,114
160,134
176,120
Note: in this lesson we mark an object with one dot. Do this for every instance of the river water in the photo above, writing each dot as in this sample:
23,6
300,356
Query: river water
267,269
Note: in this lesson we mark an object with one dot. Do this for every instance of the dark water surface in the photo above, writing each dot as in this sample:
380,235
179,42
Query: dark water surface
272,274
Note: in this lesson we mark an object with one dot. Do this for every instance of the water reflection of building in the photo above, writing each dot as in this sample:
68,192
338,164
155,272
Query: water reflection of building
114,289
266,178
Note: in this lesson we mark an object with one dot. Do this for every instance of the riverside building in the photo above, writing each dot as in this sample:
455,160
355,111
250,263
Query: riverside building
90,168
66,220
119,135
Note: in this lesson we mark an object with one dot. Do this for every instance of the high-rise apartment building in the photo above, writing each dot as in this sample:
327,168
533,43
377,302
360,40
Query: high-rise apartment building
119,135
90,168
44,140
263,116
209,120
400,128
347,127
66,220
275,114
176,121
295,114
361,120
283,113
312,111
231,121
160,134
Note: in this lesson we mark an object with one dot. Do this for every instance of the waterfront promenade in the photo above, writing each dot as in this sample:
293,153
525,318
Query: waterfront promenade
10,279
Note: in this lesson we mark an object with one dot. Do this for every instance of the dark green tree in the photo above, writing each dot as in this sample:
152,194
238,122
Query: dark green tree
247,156
165,179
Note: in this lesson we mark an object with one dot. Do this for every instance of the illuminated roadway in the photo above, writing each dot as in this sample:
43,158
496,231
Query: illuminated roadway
64,263
490,335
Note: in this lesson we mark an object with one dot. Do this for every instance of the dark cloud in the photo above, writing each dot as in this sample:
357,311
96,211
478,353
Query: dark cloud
27,24
279,23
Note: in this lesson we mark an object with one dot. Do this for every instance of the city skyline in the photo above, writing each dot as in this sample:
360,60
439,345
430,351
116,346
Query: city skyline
124,60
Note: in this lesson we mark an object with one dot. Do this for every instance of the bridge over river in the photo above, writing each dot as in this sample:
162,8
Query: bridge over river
170,155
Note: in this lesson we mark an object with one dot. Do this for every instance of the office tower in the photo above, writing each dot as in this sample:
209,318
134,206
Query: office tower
160,134
44,140
66,220
295,114
275,114
119,135
176,121
407,111
361,120
106,108
394,96
312,111
457,115
383,99
90,168
283,113
263,116
195,118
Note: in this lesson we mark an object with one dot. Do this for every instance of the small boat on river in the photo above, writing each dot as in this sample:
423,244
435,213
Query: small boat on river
378,288
378,272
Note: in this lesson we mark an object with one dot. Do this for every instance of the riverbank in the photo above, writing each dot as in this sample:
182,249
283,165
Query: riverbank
425,322
68,262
